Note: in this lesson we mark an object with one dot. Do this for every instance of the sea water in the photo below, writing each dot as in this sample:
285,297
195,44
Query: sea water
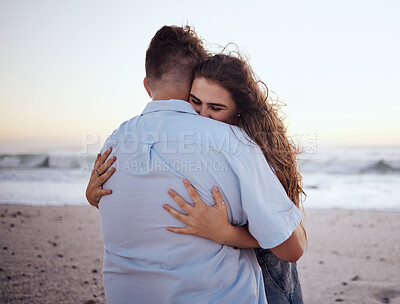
352,178
333,177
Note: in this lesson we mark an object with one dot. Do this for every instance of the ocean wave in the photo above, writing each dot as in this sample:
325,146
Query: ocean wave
380,167
327,165
351,166
35,161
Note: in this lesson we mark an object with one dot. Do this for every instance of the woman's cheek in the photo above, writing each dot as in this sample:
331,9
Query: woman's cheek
220,117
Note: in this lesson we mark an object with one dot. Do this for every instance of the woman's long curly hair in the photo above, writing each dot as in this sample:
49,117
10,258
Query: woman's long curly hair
258,116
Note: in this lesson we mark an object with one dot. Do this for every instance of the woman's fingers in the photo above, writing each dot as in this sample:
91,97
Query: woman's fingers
95,166
176,214
94,192
96,197
104,177
192,192
219,201
180,201
105,192
207,222
97,159
104,167
101,160
180,230
105,155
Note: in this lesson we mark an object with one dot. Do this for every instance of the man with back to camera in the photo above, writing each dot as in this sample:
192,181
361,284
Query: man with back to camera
144,263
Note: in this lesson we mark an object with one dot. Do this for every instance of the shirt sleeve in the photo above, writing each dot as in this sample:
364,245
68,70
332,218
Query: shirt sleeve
272,217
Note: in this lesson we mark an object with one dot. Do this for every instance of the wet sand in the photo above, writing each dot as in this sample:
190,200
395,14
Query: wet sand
50,255
353,257
54,255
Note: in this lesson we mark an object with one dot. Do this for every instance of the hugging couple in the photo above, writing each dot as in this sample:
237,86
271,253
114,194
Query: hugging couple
206,194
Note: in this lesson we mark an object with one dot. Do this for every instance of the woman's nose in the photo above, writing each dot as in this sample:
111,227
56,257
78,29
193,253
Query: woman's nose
203,112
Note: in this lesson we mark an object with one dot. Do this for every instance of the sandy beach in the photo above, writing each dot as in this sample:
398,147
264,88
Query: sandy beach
54,255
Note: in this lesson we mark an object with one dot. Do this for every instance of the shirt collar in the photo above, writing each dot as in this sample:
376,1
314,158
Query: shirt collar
169,105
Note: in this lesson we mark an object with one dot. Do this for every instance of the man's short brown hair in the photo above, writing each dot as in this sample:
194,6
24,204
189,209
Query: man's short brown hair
172,55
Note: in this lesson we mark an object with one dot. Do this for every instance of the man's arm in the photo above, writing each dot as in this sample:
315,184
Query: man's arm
272,217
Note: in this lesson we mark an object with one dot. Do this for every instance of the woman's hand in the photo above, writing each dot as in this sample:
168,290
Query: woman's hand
100,174
201,219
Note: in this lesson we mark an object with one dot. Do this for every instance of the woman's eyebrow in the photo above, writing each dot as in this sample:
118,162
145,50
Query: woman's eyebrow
191,95
209,103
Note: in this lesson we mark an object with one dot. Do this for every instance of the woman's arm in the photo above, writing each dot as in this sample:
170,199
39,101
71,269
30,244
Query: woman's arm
240,237
212,223
293,248
290,250
100,174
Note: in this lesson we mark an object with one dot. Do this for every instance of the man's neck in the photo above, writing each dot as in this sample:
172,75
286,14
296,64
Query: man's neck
169,94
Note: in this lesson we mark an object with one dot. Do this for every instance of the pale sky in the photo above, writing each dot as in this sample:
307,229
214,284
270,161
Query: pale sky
71,68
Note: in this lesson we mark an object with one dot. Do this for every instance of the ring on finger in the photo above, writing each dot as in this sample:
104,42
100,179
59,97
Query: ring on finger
220,204
97,181
97,173
196,201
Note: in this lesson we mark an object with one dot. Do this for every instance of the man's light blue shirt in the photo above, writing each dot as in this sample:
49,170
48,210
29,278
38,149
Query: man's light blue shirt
144,263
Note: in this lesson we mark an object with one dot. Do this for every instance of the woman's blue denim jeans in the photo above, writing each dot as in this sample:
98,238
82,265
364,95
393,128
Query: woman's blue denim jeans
281,280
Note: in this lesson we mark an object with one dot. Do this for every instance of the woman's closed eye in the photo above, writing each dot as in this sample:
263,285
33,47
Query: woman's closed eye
195,101
198,102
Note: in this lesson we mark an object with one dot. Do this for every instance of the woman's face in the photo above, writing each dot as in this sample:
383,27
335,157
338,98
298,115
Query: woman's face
211,100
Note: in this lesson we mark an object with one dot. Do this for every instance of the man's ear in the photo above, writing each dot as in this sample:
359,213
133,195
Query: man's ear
146,86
